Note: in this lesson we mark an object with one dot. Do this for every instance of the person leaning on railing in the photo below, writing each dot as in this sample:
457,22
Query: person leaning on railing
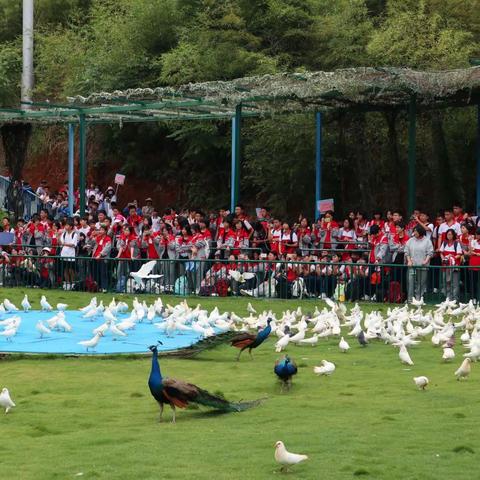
418,253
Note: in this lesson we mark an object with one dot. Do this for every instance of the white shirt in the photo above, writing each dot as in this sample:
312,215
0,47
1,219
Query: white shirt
442,229
70,238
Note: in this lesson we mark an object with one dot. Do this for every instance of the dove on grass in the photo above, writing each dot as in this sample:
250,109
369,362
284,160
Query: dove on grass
343,345
421,382
5,400
286,458
326,368
464,369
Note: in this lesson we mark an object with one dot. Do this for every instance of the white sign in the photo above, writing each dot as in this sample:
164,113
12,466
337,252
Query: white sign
119,179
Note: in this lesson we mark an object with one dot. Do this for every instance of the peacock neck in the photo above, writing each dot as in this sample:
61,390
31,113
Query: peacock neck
156,366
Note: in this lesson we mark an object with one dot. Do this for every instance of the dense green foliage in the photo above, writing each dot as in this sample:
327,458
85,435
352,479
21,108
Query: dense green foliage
90,45
94,418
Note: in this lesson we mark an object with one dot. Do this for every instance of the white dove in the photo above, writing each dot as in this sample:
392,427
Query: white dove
42,329
9,306
240,277
109,316
285,458
52,322
9,333
464,369
310,341
404,355
92,304
421,382
93,342
62,323
116,332
448,354
5,400
343,345
282,343
327,368
46,307
250,309
151,313
61,307
26,304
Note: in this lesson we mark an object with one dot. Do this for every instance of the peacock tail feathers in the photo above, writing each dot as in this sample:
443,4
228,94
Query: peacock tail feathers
218,403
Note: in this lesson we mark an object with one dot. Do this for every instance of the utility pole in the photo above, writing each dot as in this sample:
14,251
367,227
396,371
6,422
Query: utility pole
27,71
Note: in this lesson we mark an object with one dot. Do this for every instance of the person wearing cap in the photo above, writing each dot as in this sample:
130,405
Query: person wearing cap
147,209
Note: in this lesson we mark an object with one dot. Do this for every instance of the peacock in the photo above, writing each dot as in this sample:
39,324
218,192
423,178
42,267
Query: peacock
285,369
178,393
247,340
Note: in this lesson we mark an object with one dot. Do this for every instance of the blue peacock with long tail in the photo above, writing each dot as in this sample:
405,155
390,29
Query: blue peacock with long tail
250,341
177,393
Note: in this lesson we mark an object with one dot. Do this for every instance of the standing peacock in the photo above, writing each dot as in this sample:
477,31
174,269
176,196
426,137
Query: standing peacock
178,393
285,369
247,340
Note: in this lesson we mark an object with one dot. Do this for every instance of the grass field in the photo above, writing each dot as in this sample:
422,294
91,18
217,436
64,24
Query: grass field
94,418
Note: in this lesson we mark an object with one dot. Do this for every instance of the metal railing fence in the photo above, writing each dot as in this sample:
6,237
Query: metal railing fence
393,283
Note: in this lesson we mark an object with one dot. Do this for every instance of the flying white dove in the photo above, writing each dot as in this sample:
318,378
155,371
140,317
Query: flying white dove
240,277
61,307
92,343
46,307
5,400
404,355
26,304
145,273
464,369
448,354
42,329
343,345
327,368
421,382
9,306
285,458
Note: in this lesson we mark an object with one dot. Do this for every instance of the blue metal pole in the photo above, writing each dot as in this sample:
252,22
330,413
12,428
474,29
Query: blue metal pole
82,154
478,160
235,173
318,162
71,156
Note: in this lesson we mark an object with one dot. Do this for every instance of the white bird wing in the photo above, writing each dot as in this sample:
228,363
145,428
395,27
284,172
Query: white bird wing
145,270
235,275
248,275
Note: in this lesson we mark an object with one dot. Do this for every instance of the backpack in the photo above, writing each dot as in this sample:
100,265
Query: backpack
221,287
283,288
180,287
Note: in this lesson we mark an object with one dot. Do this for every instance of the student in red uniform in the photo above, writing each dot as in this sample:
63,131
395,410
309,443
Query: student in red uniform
241,237
474,262
449,224
397,245
127,245
274,236
451,254
348,237
101,251
328,230
288,240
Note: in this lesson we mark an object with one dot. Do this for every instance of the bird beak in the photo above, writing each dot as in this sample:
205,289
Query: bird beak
159,342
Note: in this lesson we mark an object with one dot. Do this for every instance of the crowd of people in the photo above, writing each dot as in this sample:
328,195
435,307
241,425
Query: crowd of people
381,257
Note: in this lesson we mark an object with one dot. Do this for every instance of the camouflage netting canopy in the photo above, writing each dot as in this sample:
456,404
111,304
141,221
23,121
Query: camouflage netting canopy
354,88
363,89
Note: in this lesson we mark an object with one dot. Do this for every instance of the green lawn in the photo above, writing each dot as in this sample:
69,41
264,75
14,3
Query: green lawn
96,417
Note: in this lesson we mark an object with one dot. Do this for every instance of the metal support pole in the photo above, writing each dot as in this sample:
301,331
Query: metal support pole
236,152
82,151
71,157
412,144
318,162
27,47
478,160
